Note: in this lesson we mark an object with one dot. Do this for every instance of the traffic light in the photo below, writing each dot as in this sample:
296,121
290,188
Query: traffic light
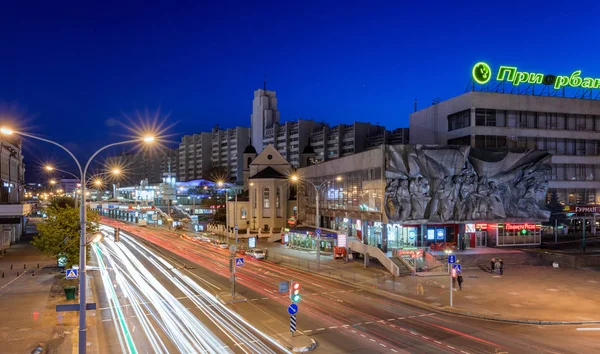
295,292
117,232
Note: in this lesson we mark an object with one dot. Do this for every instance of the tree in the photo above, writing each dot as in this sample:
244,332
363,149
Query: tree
58,235
556,208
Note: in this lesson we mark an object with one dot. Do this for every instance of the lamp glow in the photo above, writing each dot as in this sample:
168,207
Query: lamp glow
148,139
6,131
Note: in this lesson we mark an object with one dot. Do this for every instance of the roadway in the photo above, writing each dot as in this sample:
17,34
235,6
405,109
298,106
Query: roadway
344,318
150,306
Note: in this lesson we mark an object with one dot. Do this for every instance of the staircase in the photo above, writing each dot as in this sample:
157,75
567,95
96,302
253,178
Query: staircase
175,213
403,267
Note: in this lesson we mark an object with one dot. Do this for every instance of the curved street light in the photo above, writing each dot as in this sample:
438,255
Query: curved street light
295,178
82,221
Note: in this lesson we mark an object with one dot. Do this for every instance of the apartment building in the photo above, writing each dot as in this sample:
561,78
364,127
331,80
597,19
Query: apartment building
227,146
393,137
290,138
341,140
143,165
195,156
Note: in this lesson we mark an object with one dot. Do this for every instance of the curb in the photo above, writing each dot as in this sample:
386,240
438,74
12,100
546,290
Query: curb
307,348
449,311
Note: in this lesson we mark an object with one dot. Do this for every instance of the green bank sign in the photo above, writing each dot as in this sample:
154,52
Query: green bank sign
482,74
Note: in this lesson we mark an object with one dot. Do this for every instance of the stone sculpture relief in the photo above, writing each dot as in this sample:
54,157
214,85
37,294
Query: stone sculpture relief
459,183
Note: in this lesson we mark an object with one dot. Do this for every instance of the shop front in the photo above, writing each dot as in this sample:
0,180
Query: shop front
400,237
477,234
306,239
504,234
441,236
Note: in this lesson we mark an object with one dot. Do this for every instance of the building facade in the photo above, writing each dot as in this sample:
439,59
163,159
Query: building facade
13,208
342,140
264,115
227,149
567,128
145,165
403,196
195,156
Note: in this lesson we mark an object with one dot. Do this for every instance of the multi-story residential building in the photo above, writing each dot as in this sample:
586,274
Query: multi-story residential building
264,115
12,203
568,128
290,138
342,140
227,146
394,137
195,156
145,165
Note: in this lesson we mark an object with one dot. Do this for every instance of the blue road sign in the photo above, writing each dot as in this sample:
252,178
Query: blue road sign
318,232
72,273
452,258
284,286
293,309
458,268
292,323
239,262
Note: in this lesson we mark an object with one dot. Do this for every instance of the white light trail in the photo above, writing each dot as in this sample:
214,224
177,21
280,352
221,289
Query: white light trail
161,319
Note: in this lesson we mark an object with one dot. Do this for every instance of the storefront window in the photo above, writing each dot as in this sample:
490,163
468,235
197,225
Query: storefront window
243,213
519,234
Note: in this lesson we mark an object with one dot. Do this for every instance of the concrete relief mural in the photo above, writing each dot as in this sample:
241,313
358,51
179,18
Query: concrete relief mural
460,183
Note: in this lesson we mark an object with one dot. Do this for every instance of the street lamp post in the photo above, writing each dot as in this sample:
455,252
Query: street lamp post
317,187
83,224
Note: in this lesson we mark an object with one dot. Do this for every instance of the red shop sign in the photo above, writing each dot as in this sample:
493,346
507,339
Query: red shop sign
525,226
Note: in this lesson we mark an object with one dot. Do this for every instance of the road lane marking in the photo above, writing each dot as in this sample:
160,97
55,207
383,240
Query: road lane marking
588,329
362,335
383,345
391,319
381,321
394,350
423,315
320,329
372,340
332,327
344,326
437,342
411,316
451,347
265,298
369,322
462,351
308,331
424,337
401,318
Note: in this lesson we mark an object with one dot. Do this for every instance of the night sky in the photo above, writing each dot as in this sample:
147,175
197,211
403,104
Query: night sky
74,72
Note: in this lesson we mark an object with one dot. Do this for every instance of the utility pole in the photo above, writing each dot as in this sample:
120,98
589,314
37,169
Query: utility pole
235,219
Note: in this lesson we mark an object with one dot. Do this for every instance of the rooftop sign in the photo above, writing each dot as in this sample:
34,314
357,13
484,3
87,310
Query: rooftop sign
482,74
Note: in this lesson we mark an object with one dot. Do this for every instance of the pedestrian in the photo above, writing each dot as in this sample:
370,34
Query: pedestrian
453,275
460,280
497,266
493,262
501,267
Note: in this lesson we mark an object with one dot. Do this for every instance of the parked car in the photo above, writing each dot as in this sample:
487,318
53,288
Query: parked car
222,244
256,253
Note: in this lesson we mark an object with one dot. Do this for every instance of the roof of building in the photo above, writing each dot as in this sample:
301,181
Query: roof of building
308,149
250,150
268,172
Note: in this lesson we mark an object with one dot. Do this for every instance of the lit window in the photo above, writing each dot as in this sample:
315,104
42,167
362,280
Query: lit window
266,200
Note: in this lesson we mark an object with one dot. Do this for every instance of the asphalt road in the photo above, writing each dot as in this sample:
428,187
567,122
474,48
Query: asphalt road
344,318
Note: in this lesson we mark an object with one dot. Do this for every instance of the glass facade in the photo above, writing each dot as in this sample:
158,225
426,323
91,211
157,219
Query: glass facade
358,190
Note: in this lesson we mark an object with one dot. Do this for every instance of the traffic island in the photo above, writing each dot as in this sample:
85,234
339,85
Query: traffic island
298,343
226,299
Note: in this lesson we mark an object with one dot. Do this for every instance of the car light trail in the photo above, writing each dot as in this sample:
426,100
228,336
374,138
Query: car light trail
159,314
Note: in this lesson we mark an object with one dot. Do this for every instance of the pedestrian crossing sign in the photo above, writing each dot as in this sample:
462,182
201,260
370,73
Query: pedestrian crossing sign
239,262
72,273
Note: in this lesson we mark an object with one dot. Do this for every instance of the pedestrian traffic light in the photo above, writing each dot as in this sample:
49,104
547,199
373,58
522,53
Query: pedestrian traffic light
295,292
117,232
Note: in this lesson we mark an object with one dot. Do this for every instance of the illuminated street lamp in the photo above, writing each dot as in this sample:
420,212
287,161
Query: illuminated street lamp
295,178
82,221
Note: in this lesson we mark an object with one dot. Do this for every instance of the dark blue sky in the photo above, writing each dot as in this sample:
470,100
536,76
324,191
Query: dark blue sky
69,71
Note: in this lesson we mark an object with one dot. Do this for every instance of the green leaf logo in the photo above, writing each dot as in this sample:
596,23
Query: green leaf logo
482,73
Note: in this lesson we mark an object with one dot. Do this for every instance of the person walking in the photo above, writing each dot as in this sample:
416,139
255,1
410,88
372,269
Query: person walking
459,278
492,263
501,267
453,275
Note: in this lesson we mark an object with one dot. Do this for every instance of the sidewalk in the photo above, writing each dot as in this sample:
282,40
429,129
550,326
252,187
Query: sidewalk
27,302
526,293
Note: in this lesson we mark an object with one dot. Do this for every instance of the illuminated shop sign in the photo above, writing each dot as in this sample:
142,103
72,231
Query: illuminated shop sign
482,74
441,233
410,253
481,226
519,227
583,209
